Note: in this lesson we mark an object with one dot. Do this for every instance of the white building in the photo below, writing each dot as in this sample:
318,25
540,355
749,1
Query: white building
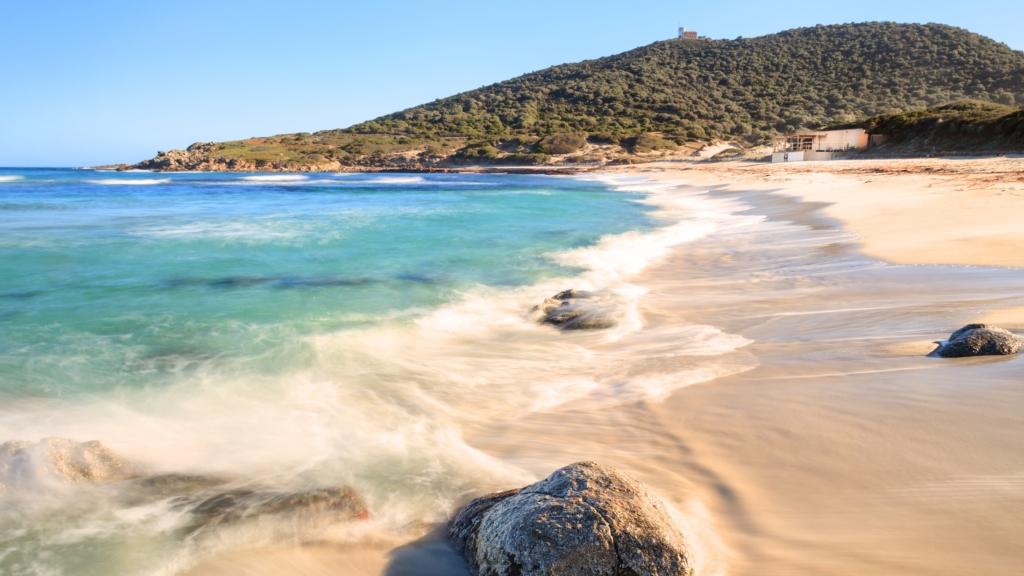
827,145
688,34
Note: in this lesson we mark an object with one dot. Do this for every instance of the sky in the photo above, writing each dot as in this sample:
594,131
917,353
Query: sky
85,83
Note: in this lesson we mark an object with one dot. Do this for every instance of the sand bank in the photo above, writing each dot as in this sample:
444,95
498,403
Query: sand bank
918,211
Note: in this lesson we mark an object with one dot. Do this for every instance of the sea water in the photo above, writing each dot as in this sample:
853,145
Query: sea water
302,331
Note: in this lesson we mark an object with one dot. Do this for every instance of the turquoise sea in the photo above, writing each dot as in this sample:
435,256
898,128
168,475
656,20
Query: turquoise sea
119,281
288,333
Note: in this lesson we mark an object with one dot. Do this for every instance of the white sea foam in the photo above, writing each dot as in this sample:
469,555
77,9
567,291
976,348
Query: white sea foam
275,178
398,180
130,182
245,231
13,178
496,363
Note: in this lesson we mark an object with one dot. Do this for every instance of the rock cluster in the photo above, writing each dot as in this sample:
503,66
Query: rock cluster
209,499
195,158
981,340
575,310
584,519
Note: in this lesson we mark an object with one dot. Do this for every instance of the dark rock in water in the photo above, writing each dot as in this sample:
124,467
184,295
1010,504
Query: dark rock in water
164,486
213,499
242,503
575,310
593,323
573,294
210,499
584,519
981,340
24,464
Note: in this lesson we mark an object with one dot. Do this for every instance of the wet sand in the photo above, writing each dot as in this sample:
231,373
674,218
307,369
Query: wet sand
846,449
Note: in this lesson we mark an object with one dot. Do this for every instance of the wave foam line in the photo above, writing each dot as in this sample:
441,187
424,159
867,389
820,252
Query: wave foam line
11,178
134,182
275,178
398,180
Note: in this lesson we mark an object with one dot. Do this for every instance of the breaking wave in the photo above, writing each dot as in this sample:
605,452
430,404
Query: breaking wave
130,182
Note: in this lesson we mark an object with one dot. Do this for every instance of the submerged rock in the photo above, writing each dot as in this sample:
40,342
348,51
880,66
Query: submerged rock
24,464
572,294
243,503
584,519
981,340
209,499
575,310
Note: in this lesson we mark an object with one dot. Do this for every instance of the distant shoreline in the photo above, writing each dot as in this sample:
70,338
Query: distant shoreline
919,211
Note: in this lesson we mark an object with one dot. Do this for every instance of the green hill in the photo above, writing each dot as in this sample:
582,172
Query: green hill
747,89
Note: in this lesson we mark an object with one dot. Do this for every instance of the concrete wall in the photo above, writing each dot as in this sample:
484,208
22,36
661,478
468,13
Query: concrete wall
817,156
842,139
805,156
788,156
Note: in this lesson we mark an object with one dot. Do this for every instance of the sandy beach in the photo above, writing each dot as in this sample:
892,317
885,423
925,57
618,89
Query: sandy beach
840,447
961,211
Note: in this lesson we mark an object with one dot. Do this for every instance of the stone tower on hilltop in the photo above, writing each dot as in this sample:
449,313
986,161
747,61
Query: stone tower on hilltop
688,34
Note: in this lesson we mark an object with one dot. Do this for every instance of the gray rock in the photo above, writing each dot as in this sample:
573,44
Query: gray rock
584,520
981,340
209,499
573,294
575,310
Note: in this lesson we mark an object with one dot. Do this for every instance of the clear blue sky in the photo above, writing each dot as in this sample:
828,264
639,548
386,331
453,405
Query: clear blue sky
84,83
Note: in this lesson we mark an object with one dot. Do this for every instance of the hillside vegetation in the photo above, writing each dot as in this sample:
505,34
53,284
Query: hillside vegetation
968,126
748,88
654,100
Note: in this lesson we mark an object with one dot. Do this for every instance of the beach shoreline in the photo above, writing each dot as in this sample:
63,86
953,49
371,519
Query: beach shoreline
770,380
946,211
790,468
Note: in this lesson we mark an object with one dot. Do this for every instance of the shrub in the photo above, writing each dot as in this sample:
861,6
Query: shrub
480,151
433,149
603,138
648,143
561,143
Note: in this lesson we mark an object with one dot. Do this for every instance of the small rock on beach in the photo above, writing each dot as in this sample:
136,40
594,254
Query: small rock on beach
981,340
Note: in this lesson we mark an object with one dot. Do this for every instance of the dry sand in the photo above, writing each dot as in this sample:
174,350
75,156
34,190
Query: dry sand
846,450
916,211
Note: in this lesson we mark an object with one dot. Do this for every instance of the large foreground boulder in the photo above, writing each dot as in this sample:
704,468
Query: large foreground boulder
981,340
584,520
